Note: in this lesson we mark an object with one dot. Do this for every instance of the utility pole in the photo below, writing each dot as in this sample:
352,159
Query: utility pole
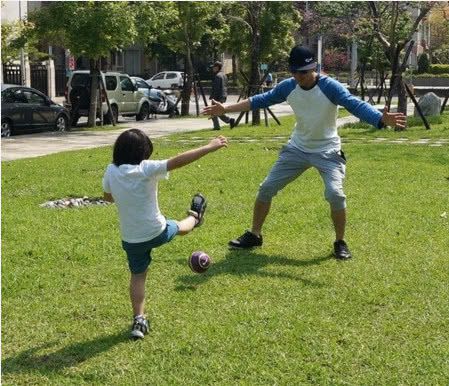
320,48
22,54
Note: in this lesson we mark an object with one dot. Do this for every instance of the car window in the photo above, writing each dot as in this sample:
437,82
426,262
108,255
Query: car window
33,98
80,80
20,97
126,84
111,82
171,75
158,76
8,96
142,84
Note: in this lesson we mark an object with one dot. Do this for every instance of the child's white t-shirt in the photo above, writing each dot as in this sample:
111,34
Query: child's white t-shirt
134,189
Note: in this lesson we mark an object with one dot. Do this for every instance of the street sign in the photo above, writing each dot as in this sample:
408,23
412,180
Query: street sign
264,66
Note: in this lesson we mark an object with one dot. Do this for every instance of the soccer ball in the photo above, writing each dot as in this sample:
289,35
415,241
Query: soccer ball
199,261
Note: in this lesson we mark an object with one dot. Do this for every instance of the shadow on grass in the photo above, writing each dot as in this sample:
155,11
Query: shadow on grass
243,263
33,360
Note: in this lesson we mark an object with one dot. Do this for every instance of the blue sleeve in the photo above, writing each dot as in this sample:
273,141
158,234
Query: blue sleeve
278,94
339,95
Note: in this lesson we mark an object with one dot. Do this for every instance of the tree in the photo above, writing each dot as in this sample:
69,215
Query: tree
260,32
394,26
180,28
14,38
87,28
439,33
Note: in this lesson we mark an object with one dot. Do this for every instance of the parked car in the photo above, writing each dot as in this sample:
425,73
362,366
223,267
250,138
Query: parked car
27,109
167,79
125,99
162,101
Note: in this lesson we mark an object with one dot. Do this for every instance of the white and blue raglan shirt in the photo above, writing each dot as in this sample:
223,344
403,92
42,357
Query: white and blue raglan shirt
316,111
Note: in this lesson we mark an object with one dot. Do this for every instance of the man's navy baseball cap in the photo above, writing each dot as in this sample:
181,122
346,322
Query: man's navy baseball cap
301,59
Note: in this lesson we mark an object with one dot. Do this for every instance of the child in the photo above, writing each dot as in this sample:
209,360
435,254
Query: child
131,182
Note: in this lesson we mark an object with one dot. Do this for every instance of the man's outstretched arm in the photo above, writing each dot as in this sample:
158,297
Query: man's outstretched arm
218,108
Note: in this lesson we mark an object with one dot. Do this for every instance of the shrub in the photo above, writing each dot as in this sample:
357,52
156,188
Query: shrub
439,69
446,75
335,60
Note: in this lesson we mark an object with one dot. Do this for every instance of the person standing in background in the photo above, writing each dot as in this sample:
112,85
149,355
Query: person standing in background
219,94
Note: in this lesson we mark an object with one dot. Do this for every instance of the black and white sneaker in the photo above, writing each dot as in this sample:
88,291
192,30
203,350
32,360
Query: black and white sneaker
197,208
246,241
341,250
140,327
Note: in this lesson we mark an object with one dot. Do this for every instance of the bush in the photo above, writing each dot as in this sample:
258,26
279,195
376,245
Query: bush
443,75
335,60
423,63
439,69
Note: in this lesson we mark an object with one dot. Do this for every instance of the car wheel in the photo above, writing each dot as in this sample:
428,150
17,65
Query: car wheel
143,113
107,117
6,128
61,123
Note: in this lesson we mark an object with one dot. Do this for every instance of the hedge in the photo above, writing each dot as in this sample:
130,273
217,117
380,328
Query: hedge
439,69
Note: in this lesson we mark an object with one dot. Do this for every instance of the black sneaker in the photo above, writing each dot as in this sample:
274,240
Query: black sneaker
140,327
232,123
341,250
197,208
246,241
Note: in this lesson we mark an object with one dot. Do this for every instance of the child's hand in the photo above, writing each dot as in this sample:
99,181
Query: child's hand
218,143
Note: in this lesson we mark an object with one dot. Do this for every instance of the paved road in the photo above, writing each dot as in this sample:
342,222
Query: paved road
39,144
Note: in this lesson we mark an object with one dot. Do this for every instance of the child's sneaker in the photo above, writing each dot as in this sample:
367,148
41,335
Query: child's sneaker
197,208
140,327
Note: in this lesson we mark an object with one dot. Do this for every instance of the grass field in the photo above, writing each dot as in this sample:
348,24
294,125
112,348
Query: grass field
284,314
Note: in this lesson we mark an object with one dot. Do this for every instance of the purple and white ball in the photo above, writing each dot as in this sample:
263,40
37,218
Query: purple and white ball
199,261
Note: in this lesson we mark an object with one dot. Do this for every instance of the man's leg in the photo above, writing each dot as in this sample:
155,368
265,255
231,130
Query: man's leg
290,165
332,168
339,220
216,123
260,212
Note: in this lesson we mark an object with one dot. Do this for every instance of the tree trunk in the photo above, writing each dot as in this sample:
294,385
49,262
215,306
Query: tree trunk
94,73
362,80
234,70
187,89
254,78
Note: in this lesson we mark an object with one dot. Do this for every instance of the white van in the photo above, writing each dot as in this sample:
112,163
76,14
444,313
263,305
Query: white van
124,97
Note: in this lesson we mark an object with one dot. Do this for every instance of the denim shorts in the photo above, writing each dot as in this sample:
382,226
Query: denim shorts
139,254
292,162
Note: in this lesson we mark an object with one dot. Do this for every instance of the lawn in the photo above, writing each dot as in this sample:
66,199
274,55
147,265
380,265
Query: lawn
284,314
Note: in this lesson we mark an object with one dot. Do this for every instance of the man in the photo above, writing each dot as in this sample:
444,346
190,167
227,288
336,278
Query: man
314,143
219,94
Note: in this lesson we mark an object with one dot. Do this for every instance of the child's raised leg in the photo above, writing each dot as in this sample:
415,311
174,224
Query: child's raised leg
185,226
195,215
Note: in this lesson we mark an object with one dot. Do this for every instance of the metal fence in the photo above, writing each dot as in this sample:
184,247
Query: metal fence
12,74
60,80
39,77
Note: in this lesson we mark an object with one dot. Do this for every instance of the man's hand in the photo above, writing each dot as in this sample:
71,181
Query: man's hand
394,119
216,108
218,143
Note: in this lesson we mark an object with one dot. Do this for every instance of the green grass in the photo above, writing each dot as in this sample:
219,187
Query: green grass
285,314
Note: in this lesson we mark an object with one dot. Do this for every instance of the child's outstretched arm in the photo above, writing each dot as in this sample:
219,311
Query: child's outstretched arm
192,155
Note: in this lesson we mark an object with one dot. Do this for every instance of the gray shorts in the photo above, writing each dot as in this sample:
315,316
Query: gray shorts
292,162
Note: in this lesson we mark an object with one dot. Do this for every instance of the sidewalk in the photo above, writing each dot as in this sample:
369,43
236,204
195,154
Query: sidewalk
49,142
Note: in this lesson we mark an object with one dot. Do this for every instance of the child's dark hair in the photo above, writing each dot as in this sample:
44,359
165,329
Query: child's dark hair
132,147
